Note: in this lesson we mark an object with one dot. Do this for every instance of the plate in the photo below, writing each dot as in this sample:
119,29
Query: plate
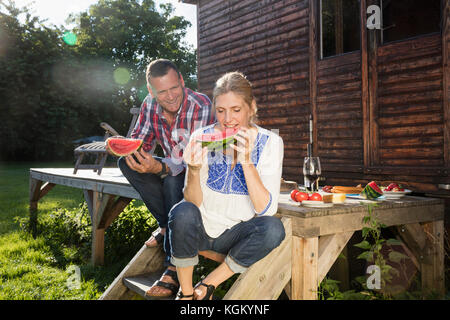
316,204
396,194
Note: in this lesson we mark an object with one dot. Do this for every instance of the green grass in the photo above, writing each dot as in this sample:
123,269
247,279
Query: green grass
37,268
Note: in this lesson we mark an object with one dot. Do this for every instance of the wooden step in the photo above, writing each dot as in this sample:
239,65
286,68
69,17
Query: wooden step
141,283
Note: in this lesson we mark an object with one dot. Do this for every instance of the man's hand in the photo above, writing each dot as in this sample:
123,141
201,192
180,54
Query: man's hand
146,163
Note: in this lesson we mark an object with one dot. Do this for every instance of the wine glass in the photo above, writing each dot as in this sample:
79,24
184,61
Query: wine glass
312,171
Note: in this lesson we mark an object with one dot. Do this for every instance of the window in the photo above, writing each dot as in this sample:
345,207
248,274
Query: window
409,18
339,27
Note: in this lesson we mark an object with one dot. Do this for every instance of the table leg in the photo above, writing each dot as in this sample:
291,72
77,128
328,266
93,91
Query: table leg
99,203
35,190
304,279
38,189
433,278
103,208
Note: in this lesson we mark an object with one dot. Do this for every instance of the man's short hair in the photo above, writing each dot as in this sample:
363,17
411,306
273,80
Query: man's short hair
160,67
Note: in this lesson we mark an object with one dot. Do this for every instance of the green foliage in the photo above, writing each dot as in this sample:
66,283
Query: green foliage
372,247
53,92
128,232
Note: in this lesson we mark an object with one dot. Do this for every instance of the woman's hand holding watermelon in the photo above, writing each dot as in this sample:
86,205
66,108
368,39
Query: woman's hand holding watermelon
194,155
245,142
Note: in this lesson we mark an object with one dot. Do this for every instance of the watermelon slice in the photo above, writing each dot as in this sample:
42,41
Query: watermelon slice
218,140
371,191
121,147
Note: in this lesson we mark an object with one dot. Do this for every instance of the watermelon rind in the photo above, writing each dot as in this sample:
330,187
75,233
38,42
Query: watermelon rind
122,147
371,191
222,144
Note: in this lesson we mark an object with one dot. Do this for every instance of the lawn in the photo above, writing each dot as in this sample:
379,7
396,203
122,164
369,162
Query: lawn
39,268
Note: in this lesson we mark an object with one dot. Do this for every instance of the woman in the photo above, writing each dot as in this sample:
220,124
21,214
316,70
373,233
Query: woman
230,195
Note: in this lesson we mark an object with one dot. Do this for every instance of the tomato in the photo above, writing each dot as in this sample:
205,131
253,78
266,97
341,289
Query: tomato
300,196
293,193
315,197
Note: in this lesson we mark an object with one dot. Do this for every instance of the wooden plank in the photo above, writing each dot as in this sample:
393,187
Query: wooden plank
146,260
345,218
34,193
433,281
111,181
265,279
304,281
415,238
113,211
330,247
99,204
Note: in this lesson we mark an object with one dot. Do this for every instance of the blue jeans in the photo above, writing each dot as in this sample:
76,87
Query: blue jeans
159,195
244,244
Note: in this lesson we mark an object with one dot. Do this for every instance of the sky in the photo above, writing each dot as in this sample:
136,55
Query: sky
56,11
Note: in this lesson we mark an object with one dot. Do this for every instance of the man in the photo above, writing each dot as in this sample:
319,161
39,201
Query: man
168,119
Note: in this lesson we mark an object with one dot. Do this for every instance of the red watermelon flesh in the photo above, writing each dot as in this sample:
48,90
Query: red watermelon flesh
375,187
123,146
217,139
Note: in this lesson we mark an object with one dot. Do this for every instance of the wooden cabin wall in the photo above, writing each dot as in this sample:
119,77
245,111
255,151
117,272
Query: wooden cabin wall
268,41
381,113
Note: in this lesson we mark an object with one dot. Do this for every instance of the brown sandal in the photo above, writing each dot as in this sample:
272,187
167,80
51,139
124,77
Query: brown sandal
181,295
173,287
158,238
209,290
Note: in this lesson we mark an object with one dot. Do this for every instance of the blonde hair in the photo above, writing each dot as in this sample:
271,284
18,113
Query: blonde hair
237,83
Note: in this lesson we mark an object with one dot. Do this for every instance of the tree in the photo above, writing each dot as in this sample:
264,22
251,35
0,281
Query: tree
54,92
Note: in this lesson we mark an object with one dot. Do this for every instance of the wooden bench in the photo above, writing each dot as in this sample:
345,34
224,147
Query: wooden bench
98,149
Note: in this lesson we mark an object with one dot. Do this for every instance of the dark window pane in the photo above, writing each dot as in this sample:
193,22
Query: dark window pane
340,26
409,18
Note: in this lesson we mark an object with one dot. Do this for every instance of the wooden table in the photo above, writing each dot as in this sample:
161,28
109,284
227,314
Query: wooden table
315,237
106,195
319,235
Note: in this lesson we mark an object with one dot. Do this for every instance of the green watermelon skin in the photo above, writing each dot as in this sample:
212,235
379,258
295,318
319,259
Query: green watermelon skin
371,191
213,145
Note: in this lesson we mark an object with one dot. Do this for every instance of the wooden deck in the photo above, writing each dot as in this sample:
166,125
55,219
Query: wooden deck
314,237
106,195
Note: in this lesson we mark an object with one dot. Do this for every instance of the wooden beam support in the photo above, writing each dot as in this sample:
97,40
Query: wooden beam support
329,249
112,211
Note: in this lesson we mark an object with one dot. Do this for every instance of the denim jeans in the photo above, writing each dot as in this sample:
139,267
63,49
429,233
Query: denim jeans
244,244
159,195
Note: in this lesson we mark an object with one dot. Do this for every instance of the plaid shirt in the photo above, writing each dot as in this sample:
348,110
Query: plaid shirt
195,112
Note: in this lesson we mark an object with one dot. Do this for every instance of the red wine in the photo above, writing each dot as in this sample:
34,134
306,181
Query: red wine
312,177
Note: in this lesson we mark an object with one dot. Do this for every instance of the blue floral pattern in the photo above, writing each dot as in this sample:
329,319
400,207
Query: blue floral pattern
224,180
